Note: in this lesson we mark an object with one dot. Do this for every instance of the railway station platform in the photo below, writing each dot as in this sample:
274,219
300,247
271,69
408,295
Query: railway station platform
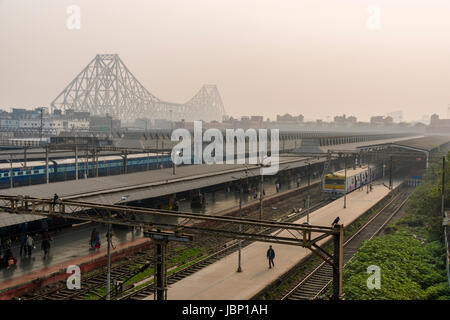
69,247
220,281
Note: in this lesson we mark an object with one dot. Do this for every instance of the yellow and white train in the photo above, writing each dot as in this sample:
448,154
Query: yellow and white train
334,184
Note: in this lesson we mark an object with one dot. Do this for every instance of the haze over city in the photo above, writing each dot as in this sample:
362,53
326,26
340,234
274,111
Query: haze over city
316,58
260,152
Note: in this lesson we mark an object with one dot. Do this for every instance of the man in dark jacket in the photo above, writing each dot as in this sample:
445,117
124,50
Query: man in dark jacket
271,256
55,198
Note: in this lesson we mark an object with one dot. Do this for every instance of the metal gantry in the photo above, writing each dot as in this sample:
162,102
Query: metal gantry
164,225
106,86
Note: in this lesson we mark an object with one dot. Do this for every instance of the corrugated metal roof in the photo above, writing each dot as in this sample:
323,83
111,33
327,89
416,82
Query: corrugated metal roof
425,143
147,184
10,219
358,145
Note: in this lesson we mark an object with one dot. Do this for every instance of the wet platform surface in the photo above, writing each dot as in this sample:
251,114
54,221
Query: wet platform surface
67,245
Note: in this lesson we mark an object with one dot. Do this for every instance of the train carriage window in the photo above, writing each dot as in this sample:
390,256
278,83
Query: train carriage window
28,172
334,181
36,171
20,173
6,174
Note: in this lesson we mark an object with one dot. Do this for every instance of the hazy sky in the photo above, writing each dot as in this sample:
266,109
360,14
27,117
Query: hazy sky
318,58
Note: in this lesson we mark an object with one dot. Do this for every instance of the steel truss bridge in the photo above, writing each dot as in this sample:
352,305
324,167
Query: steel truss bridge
106,86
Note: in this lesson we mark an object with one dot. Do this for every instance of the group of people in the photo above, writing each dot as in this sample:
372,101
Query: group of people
7,259
363,183
27,245
26,248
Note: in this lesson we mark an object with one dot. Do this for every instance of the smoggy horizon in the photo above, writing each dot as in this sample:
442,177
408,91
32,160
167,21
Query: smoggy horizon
318,58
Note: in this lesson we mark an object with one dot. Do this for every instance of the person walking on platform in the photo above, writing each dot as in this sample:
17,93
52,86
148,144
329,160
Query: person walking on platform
5,245
93,235
30,245
46,243
271,256
97,240
23,244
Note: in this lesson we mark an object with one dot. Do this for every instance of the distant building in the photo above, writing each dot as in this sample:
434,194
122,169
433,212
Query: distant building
397,116
344,121
103,124
438,125
287,118
381,121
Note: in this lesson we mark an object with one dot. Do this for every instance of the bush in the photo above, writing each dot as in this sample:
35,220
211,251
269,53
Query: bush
407,268
411,256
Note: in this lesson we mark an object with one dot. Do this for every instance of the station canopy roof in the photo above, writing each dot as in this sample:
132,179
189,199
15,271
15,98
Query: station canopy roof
120,189
8,219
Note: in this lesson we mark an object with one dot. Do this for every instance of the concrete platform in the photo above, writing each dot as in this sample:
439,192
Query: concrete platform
220,281
69,247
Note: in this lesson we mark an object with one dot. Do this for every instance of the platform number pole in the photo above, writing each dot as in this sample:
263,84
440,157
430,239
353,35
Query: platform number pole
25,156
239,269
309,174
11,172
108,273
261,194
96,161
160,270
345,183
338,261
390,173
307,208
47,180
368,172
125,163
76,162
443,187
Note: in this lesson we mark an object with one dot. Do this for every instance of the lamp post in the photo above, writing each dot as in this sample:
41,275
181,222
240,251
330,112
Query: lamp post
239,269
261,188
345,182
368,172
443,187
108,274
108,253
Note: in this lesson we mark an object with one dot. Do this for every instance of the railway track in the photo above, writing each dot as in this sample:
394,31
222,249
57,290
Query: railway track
121,270
317,282
90,283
